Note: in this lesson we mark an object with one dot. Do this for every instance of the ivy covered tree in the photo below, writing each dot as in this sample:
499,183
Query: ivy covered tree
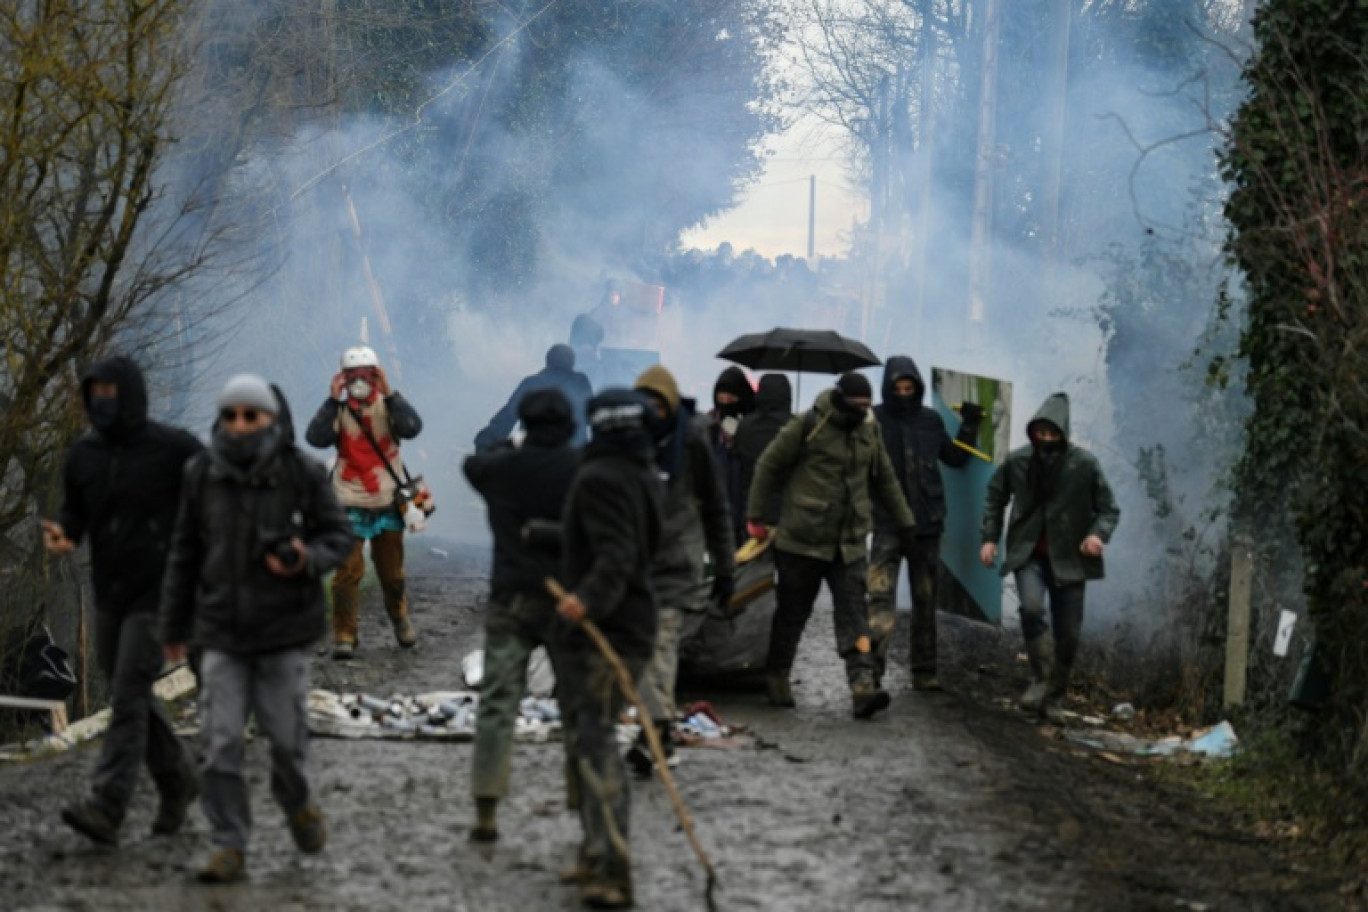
1298,215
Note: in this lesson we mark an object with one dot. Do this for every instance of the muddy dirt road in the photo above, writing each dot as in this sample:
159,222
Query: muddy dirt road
945,803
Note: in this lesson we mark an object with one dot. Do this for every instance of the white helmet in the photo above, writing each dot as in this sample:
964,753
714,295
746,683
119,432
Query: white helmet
359,356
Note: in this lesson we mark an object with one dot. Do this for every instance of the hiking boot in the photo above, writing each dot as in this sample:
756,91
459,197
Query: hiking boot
576,874
1052,711
1040,652
603,894
174,806
479,833
343,651
779,691
90,820
865,698
223,866
926,682
308,830
404,634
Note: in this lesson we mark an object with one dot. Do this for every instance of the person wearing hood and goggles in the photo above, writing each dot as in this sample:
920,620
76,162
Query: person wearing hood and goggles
1063,516
826,469
365,420
918,445
258,528
122,485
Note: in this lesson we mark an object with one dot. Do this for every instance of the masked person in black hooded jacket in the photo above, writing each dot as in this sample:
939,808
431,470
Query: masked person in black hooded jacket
773,409
258,528
122,489
917,443
524,489
733,400
611,530
559,374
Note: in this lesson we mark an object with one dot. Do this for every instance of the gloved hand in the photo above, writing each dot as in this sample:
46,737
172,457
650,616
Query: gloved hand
757,529
907,539
724,587
971,413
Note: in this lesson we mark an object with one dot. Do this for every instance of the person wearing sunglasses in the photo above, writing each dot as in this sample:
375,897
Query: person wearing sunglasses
122,489
258,528
365,420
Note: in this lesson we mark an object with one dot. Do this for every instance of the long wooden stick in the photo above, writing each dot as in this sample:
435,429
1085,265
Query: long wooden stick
629,690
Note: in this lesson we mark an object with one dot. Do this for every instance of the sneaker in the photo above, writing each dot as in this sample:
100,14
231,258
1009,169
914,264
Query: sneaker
306,826
174,806
343,651
404,634
223,866
88,819
926,682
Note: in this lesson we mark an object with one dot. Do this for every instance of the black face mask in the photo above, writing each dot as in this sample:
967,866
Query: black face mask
728,409
1051,447
846,415
904,402
104,412
246,450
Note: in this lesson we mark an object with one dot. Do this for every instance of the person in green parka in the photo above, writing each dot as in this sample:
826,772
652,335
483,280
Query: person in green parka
1063,516
825,470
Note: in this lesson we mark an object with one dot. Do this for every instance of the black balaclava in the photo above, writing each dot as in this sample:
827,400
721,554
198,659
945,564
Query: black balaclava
548,418
733,380
909,403
1047,459
851,386
122,417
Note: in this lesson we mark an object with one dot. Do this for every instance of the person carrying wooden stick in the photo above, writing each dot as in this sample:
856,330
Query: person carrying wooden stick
611,529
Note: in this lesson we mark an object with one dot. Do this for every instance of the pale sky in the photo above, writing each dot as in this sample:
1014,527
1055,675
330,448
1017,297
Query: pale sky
772,217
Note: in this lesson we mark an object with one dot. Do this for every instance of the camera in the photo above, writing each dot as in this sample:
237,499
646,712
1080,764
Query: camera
281,546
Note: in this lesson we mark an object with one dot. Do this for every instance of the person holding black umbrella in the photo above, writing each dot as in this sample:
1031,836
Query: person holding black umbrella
826,468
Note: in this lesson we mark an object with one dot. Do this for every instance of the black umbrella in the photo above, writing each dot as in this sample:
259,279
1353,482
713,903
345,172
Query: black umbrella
819,351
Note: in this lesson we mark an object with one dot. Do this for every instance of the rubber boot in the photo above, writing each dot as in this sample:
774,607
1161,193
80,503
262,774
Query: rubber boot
1053,708
1040,652
779,690
346,611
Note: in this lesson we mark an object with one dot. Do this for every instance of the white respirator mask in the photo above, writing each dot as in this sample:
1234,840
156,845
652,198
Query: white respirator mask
359,389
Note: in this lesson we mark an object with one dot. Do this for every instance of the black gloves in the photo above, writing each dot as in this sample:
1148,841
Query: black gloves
724,587
971,413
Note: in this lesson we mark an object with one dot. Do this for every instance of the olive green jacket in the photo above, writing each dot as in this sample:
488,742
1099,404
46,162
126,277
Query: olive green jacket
1082,505
827,478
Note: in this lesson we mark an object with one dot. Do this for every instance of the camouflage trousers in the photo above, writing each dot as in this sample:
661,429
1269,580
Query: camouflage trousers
923,566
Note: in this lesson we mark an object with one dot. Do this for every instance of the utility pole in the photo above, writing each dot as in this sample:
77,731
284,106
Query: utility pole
812,218
981,242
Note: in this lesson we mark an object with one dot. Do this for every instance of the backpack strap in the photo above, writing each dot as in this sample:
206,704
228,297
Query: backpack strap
375,445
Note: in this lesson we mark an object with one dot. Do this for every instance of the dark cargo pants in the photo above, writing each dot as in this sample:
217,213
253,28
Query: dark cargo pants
512,632
591,702
923,564
139,731
800,580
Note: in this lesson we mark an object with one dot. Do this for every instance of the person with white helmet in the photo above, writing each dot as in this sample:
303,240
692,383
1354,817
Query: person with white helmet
365,420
